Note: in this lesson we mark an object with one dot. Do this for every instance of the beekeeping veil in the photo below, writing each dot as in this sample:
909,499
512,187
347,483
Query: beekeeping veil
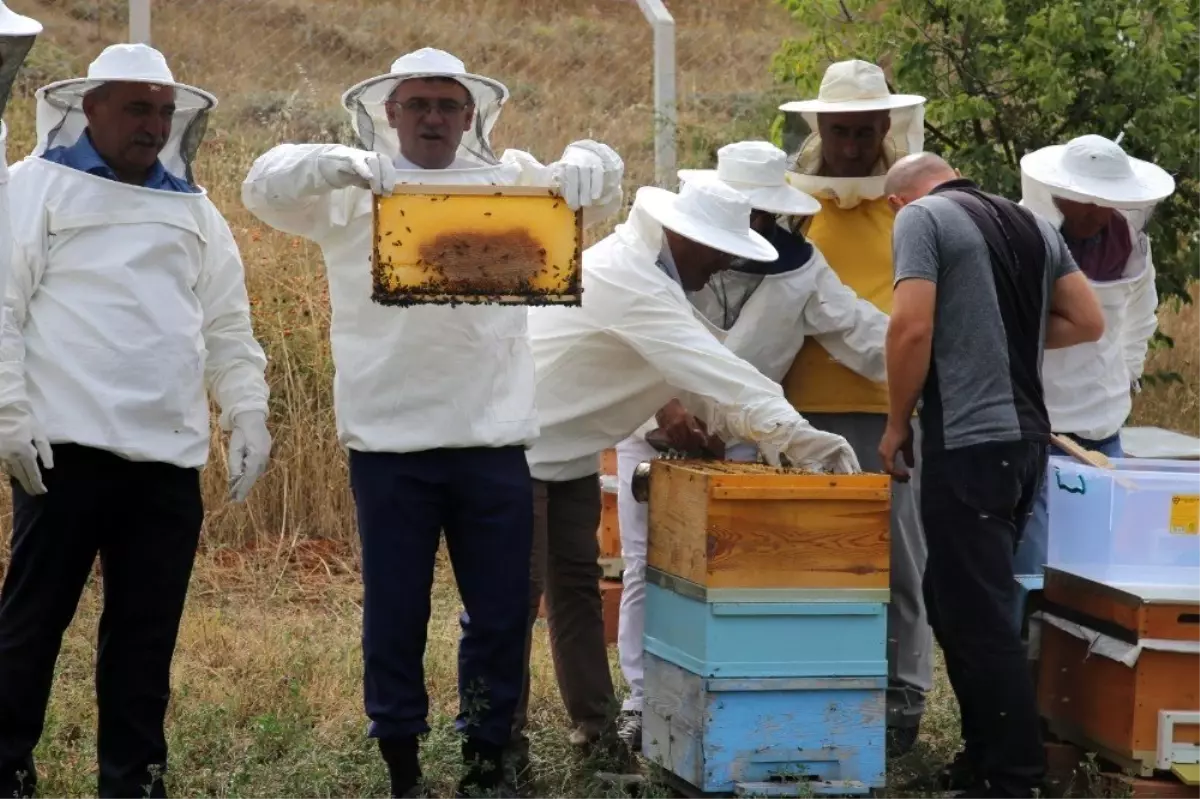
17,34
366,103
1095,170
848,87
61,121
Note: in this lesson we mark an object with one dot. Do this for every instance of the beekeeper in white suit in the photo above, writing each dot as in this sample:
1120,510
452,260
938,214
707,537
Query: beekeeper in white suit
17,35
763,312
603,369
1100,199
436,404
126,302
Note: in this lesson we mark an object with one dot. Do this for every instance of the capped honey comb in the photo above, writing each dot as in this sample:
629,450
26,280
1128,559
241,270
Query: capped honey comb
476,245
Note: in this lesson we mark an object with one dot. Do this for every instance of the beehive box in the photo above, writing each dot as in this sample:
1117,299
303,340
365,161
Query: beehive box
743,525
766,632
758,737
1090,697
476,245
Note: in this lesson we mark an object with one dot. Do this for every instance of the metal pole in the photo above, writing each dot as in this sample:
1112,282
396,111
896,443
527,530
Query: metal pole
665,118
139,21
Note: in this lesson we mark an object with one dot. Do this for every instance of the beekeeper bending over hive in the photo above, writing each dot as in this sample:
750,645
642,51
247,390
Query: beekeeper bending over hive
436,404
604,369
126,302
763,312
17,35
1100,198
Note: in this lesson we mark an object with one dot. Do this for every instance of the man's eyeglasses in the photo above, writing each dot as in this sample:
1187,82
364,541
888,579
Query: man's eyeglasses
423,105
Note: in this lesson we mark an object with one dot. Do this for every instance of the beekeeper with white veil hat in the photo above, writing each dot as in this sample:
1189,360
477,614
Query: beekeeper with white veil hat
604,369
126,305
1101,199
17,35
855,129
763,311
435,404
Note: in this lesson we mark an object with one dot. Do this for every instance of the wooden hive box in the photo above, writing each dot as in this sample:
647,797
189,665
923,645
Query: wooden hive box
742,525
478,245
1087,690
765,737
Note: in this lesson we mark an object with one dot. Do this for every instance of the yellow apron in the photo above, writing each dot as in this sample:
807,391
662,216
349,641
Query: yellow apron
857,243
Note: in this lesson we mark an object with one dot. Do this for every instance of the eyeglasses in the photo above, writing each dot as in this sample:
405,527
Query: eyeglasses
423,106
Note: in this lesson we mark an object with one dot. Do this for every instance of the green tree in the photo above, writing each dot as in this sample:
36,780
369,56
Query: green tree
1005,77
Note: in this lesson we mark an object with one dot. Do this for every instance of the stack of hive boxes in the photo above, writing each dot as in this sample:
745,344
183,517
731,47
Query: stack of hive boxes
766,628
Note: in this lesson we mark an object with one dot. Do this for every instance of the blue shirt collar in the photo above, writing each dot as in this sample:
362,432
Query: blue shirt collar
82,155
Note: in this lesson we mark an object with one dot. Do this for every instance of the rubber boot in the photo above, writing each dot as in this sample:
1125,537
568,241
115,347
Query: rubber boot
402,756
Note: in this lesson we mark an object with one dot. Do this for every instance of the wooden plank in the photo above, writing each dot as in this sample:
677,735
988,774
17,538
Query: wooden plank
1175,622
678,517
1165,681
794,494
813,544
1188,774
610,598
1148,788
1085,695
1092,599
609,532
451,190
608,461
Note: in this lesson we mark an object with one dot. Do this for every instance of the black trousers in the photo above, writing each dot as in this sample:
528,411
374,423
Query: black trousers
482,500
974,505
143,519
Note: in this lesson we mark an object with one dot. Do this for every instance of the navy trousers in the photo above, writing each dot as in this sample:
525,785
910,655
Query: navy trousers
482,500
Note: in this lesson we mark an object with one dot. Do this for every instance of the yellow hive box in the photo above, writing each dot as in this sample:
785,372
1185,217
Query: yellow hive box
477,245
721,524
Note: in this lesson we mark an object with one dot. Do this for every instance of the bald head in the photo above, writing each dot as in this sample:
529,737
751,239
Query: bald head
914,176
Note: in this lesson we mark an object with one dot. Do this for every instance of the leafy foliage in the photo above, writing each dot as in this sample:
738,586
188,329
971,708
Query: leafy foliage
1006,77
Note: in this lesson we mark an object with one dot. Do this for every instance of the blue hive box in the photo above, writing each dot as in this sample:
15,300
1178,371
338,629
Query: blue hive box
764,632
766,736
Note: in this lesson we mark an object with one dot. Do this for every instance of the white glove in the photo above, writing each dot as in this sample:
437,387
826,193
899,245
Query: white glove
249,452
810,448
21,444
342,167
587,173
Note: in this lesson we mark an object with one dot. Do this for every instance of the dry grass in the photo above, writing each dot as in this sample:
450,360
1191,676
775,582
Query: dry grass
268,676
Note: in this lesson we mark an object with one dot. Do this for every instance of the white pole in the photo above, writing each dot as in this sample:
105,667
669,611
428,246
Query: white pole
139,21
665,120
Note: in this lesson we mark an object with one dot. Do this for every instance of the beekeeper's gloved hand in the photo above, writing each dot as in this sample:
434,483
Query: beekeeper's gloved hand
809,448
342,167
22,442
249,452
583,174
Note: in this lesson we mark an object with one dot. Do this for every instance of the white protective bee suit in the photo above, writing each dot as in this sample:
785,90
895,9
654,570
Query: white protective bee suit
126,306
17,35
762,316
1088,387
436,406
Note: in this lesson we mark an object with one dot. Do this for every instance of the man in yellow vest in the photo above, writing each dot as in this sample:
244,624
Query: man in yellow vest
857,129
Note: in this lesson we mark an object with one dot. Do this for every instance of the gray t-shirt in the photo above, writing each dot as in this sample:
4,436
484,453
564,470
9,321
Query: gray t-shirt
989,332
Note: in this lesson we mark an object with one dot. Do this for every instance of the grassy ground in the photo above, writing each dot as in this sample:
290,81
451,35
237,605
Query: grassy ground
268,685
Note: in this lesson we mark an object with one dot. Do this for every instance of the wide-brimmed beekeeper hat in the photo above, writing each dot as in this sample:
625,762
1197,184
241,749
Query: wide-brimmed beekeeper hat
853,87
711,214
61,121
366,103
758,170
1093,169
17,34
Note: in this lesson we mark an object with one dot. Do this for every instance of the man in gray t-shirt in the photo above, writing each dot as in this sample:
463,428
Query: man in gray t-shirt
982,286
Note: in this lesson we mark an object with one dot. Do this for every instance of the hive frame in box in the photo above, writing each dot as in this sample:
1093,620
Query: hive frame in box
563,287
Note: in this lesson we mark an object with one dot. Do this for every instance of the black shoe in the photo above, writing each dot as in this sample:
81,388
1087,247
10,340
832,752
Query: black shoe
402,756
18,779
901,740
484,774
959,774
